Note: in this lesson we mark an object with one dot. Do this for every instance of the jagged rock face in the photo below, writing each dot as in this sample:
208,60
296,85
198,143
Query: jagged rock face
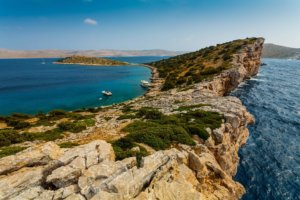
90,171
246,63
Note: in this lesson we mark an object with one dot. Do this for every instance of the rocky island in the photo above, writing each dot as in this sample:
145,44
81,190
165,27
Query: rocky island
179,141
85,60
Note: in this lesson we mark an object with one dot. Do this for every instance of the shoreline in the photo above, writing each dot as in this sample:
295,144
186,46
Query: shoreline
86,64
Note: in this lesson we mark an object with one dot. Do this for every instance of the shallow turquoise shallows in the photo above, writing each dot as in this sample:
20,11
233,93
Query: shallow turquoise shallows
34,85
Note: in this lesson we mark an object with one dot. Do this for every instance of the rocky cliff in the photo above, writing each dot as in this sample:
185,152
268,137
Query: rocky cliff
90,171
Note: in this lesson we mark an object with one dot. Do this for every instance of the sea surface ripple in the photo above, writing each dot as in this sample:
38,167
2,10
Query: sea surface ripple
270,161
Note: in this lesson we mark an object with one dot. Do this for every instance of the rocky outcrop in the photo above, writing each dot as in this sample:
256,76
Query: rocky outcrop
89,171
245,64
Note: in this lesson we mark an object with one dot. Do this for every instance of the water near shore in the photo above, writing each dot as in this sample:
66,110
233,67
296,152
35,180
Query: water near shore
270,161
33,85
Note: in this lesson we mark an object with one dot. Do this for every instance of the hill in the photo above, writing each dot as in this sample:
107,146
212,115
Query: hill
197,66
277,51
84,60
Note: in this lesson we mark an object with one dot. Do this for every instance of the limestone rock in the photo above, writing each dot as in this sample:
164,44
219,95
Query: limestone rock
75,197
93,152
64,176
15,183
39,155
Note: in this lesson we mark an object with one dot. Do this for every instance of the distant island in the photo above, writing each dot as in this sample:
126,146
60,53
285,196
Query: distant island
282,52
8,53
84,60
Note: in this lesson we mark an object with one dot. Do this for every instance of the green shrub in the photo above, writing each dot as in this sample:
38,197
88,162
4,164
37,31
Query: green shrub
158,136
74,127
57,114
127,116
198,130
210,71
50,135
89,122
122,148
68,145
8,137
149,113
107,118
127,108
21,116
7,151
17,124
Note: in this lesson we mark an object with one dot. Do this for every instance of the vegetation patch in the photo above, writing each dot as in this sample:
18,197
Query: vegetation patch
123,148
9,136
90,61
160,131
50,135
68,145
7,151
127,116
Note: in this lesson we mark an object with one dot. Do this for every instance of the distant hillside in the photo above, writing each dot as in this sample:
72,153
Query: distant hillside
276,51
194,67
90,61
5,53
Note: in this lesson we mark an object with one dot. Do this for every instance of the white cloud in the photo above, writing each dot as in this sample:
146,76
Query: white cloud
90,21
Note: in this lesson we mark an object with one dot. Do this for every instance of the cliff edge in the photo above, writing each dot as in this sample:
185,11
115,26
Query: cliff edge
201,170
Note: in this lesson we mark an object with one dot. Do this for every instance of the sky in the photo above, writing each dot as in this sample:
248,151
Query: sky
183,25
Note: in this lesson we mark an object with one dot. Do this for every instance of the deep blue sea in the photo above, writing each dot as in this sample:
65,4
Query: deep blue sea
33,85
270,161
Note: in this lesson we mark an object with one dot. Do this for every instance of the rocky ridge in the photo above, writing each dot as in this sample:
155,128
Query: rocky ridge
89,171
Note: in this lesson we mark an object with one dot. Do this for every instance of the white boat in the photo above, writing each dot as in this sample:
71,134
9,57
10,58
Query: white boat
145,84
106,93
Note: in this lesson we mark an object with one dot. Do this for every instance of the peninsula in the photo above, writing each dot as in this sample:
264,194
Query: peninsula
85,60
178,142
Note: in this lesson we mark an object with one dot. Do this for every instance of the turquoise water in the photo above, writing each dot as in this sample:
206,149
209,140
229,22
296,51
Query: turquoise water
34,85
270,161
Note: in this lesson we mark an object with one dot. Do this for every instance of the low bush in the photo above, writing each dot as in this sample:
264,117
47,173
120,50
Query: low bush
9,136
68,145
17,124
158,136
74,127
198,130
89,122
7,151
211,71
149,113
123,149
50,135
127,116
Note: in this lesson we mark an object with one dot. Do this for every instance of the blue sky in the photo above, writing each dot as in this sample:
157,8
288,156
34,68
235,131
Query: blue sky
144,24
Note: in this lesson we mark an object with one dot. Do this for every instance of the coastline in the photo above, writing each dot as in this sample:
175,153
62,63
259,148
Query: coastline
205,170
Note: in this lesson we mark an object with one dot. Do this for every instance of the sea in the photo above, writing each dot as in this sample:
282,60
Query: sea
270,161
37,85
